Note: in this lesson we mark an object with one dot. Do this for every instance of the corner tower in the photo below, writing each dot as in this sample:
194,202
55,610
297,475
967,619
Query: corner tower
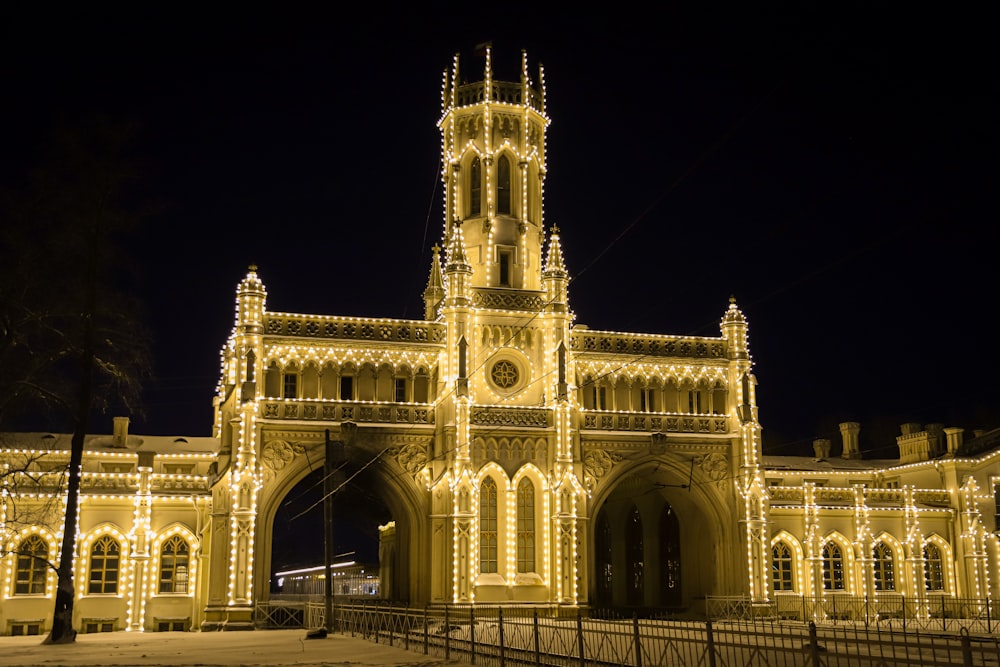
493,157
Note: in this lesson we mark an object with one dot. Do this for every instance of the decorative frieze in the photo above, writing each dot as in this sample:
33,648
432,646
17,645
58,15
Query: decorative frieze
319,326
525,417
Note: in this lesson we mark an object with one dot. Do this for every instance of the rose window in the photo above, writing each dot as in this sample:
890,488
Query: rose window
504,374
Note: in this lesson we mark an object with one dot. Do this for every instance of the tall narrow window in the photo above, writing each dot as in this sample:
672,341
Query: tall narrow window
601,398
400,390
503,185
647,400
105,557
347,387
670,556
636,561
694,402
32,557
174,565
933,568
291,388
525,526
251,366
833,567
488,526
781,567
475,187
505,266
885,580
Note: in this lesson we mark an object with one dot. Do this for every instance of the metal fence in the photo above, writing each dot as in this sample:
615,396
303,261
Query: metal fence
516,636
929,614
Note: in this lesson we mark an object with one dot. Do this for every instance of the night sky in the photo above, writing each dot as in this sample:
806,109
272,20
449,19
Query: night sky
833,170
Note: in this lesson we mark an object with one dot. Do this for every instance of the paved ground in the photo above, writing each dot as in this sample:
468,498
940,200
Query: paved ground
209,649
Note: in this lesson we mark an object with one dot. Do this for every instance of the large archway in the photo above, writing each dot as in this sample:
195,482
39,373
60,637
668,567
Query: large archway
656,541
374,490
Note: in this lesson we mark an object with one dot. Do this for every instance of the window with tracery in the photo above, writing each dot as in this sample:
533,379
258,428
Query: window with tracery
105,559
933,568
525,526
885,579
31,570
781,567
488,526
833,567
174,565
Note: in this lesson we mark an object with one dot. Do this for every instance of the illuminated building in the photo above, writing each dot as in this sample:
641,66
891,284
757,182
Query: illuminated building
525,458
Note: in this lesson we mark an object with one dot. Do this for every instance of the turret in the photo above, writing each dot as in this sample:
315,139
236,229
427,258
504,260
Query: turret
555,278
493,152
434,292
251,301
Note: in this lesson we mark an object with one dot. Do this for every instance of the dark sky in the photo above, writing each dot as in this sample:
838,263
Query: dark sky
834,169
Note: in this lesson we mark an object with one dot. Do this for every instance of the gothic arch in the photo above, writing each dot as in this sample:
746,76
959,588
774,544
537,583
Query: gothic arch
403,498
710,553
798,558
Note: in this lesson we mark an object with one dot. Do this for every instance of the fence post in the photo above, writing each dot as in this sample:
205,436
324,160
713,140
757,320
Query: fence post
710,643
538,653
813,645
500,635
579,636
426,640
903,598
988,624
447,636
472,634
966,648
638,644
867,611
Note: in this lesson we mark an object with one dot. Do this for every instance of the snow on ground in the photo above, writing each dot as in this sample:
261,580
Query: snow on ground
209,649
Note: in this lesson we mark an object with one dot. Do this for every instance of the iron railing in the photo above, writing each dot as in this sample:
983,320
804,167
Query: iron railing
556,637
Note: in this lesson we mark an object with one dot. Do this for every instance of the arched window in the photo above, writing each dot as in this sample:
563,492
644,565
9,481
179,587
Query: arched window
488,526
636,561
933,568
781,567
885,580
475,187
833,567
32,558
670,556
105,557
174,565
525,526
503,185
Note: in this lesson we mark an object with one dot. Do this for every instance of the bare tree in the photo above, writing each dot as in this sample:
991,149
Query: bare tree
71,335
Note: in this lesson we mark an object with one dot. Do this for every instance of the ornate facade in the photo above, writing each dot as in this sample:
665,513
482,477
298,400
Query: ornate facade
525,458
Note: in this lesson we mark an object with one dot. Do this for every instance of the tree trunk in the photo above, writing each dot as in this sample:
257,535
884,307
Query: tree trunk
62,612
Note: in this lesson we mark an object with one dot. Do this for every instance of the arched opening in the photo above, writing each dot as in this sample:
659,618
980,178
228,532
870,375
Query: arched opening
298,537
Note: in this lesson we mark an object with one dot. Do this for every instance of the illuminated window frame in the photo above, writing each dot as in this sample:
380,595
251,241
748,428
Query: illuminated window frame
175,565
488,549
884,571
934,570
105,566
525,526
782,568
834,578
31,568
